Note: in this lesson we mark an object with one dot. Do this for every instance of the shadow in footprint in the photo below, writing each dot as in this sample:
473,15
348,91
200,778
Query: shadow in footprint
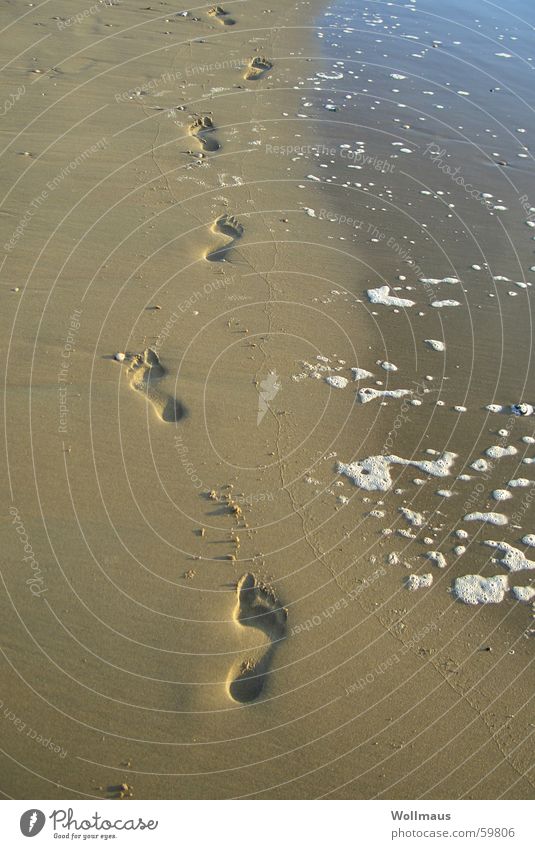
229,226
256,608
145,372
258,66
202,129
222,16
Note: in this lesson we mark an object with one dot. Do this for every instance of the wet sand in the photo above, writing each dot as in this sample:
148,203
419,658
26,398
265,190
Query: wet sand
209,607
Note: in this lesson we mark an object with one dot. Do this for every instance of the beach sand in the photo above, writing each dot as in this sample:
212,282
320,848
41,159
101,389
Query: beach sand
197,601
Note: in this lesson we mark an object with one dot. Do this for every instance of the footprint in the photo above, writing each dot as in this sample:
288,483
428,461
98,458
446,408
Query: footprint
144,373
222,16
202,128
258,66
257,608
229,226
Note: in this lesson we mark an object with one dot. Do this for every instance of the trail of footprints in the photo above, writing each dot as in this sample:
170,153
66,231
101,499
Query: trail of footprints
256,606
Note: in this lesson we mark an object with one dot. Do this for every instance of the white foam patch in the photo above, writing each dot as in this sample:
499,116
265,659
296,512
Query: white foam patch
437,558
529,440
529,539
501,495
447,303
368,394
360,373
388,366
520,482
373,473
489,518
337,381
434,281
498,451
514,560
479,465
523,593
419,582
435,344
381,296
474,589
413,518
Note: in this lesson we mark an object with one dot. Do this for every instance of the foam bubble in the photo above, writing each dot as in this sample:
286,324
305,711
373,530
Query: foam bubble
523,593
367,394
474,589
435,344
514,560
373,473
434,281
418,582
498,451
337,381
360,373
447,303
413,518
381,296
490,518
529,539
501,495
438,558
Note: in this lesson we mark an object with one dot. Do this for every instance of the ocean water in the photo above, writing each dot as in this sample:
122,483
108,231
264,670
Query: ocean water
422,125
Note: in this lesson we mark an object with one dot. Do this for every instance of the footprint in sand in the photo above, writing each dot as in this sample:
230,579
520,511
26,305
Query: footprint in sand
222,16
256,608
229,226
144,374
258,66
202,129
